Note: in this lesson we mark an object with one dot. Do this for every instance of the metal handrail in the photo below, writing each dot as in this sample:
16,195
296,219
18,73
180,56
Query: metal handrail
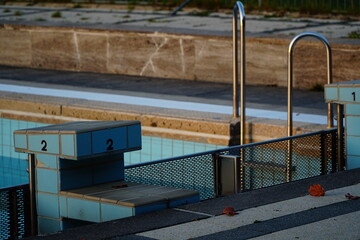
239,8
330,120
180,7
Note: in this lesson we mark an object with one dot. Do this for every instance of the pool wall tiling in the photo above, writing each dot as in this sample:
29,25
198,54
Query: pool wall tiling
13,165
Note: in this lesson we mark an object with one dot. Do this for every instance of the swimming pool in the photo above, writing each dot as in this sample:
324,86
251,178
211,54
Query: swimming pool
13,165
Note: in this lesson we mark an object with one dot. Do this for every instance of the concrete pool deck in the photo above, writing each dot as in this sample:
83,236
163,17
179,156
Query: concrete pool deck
152,43
284,211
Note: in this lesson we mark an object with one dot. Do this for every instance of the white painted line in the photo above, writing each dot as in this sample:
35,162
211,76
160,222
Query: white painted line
161,103
249,216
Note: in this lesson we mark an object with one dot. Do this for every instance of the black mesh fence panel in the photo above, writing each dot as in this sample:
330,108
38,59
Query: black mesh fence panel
263,164
14,212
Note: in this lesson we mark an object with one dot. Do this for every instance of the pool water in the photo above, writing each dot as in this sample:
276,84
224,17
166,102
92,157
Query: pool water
13,165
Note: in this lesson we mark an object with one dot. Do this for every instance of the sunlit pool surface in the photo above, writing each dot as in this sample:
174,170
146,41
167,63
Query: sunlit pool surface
13,165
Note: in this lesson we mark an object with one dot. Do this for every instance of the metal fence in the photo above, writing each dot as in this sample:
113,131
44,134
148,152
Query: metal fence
263,164
15,212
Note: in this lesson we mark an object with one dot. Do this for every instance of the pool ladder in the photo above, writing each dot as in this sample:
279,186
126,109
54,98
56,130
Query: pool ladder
238,12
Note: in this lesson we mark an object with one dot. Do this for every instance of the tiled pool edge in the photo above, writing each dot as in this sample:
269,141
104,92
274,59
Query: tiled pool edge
220,130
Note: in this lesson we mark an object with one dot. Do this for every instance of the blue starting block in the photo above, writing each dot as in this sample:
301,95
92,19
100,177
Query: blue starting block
348,94
79,174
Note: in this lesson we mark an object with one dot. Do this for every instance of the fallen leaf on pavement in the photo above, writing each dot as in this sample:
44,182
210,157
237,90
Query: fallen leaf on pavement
316,190
229,211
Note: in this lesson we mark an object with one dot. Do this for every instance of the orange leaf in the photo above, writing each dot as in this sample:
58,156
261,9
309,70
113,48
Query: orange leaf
229,211
316,190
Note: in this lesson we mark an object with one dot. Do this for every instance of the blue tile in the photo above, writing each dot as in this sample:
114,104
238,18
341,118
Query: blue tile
178,202
353,145
178,147
134,136
47,180
210,147
47,205
156,148
85,210
352,162
7,151
83,144
108,172
200,147
20,141
352,109
167,148
111,212
63,206
331,93
23,125
44,143
189,147
353,126
149,208
48,225
77,177
348,94
109,140
67,144
47,161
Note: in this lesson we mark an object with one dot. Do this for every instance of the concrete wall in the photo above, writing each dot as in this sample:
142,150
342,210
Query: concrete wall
171,56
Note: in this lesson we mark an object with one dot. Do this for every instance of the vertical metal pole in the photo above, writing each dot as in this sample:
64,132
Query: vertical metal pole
33,213
180,7
235,65
289,110
323,154
216,166
330,113
240,9
237,175
340,137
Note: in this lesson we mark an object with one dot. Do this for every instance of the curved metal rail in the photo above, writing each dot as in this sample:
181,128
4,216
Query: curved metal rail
330,120
239,11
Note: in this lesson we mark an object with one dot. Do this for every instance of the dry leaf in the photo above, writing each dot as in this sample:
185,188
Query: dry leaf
351,197
229,211
316,190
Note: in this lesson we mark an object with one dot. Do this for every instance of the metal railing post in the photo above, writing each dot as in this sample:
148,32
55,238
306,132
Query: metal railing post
239,8
180,7
33,212
340,137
